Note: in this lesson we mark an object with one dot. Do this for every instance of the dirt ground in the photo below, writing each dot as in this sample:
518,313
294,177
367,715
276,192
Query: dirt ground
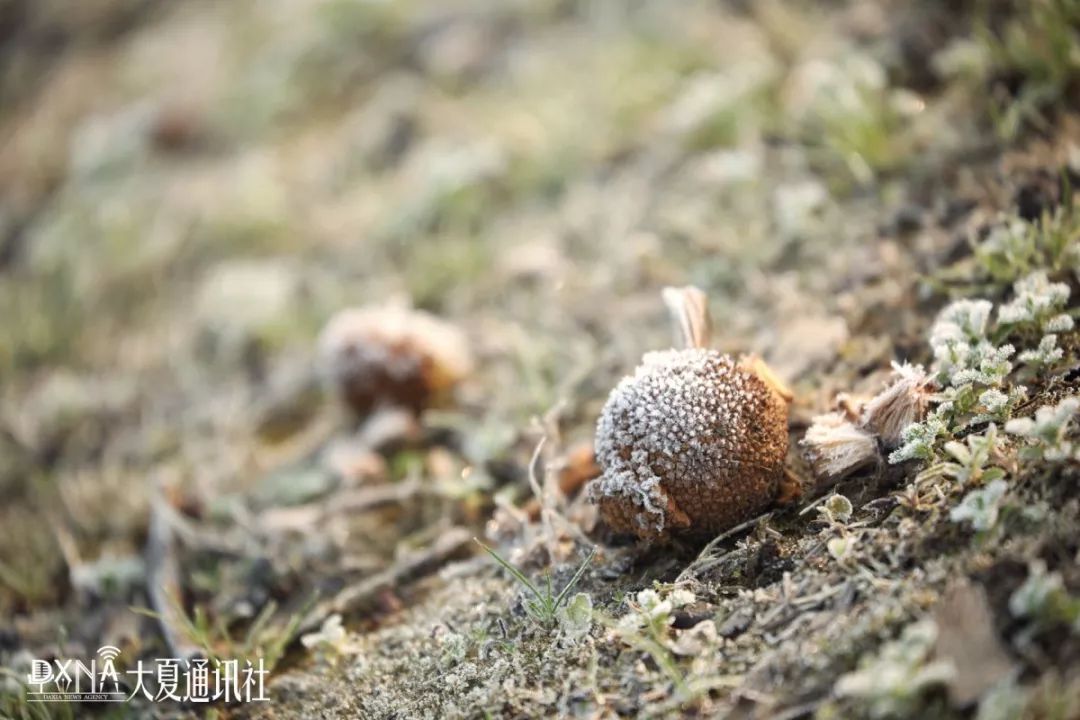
189,192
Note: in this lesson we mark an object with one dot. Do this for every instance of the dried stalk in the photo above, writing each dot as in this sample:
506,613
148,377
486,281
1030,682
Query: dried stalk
689,308
163,580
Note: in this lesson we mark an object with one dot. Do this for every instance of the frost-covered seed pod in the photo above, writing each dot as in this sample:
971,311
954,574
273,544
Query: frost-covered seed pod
693,442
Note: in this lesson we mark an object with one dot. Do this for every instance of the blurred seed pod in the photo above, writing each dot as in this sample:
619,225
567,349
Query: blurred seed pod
386,356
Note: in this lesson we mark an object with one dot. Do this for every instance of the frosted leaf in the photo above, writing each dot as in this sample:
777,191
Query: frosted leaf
1059,323
918,440
1048,430
981,507
962,320
1038,301
1047,353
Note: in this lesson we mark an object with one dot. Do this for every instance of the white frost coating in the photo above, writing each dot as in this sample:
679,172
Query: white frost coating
961,321
671,404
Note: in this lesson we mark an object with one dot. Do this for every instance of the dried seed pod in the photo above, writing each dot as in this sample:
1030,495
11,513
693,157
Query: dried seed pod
377,357
836,447
840,443
693,442
903,402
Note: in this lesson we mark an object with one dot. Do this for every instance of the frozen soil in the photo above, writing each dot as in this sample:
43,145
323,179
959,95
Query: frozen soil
190,191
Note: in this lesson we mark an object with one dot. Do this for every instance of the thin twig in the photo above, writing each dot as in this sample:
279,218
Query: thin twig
163,580
543,494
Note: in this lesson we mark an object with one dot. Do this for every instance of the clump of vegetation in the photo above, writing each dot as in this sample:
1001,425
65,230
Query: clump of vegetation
545,604
861,122
974,367
1043,600
893,682
1034,53
1015,247
975,461
1020,63
266,637
981,507
686,658
1046,434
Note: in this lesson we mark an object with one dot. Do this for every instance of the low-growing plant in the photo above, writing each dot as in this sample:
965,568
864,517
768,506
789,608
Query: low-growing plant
981,507
647,628
842,548
892,683
264,638
15,705
973,460
836,509
973,366
852,113
544,604
1014,247
1043,599
1047,432
1035,50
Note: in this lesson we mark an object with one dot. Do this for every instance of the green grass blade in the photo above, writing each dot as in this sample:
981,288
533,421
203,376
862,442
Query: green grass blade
574,580
512,570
